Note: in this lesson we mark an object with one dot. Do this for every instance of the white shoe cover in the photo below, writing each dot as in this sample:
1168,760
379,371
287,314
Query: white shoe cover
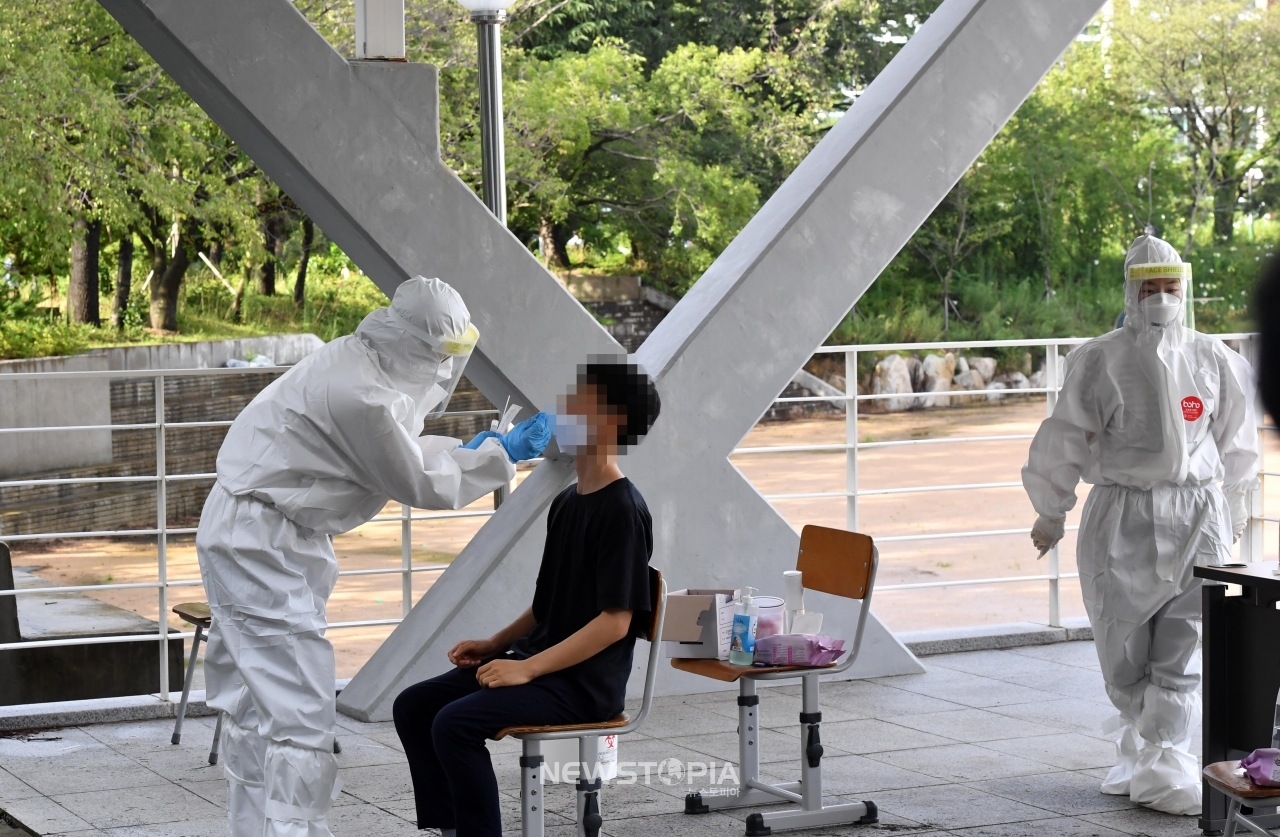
242,754
301,785
1167,778
1128,745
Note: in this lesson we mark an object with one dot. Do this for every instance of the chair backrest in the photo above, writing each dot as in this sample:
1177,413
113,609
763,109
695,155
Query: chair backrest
651,632
656,603
835,561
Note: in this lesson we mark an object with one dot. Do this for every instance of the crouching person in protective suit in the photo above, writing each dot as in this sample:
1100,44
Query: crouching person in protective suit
317,453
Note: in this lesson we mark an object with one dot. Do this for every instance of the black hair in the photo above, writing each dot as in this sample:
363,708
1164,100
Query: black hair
628,389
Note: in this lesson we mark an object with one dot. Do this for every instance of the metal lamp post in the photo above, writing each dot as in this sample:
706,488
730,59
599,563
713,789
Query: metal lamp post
488,16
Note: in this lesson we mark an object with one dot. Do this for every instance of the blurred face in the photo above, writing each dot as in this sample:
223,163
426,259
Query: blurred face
1151,287
602,421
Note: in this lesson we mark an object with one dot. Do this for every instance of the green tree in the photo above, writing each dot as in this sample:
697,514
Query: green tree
1212,68
962,224
653,129
1071,169
88,117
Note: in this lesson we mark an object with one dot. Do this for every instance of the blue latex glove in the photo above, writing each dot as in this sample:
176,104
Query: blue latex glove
527,439
480,437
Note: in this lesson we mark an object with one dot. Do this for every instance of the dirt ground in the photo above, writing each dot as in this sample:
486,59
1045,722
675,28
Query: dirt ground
377,545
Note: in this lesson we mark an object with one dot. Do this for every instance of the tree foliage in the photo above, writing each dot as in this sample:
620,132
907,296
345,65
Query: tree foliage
1211,68
92,130
641,137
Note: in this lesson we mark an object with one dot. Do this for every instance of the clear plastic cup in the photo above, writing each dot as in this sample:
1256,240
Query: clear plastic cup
772,616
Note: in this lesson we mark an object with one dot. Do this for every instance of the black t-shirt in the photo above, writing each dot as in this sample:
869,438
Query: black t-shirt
596,559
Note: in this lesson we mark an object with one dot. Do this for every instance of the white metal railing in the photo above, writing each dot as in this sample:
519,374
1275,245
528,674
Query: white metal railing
1251,543
162,531
1251,546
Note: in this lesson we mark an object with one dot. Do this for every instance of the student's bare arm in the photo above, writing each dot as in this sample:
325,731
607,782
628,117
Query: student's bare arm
597,635
471,652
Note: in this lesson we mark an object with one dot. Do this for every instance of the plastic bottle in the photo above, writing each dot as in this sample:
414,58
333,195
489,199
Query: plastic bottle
742,647
1275,729
795,597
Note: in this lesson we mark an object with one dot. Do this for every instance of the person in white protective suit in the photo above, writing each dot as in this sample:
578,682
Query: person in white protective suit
317,453
1155,416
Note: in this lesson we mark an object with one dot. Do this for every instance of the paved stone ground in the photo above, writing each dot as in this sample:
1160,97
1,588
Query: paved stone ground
986,744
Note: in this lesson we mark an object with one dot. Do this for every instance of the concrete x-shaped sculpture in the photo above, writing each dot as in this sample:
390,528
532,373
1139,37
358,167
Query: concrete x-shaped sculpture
356,146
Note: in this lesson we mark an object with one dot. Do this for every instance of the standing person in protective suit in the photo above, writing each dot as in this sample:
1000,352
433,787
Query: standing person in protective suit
1160,420
317,453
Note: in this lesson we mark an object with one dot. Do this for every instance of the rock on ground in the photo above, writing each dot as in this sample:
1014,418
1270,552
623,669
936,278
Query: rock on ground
938,370
1014,380
892,376
917,375
984,366
969,380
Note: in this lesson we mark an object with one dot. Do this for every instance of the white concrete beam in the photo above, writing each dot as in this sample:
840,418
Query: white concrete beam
753,319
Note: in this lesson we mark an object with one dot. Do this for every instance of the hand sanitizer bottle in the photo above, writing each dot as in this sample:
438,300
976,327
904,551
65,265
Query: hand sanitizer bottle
742,647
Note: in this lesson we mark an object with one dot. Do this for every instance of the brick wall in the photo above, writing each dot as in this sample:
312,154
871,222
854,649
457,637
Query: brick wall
629,321
127,505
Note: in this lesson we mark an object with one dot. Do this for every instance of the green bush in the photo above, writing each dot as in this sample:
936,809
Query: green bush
41,337
1223,279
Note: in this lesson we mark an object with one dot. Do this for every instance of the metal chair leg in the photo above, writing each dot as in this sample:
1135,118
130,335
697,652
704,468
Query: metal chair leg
217,735
749,790
1233,811
810,744
589,783
531,799
186,686
1238,822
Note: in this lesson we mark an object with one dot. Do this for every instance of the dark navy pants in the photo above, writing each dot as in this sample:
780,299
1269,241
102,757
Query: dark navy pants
443,723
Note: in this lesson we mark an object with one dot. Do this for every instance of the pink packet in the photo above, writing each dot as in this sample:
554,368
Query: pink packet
1263,767
798,650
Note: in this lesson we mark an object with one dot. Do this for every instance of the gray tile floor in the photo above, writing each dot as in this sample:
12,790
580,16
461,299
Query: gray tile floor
986,744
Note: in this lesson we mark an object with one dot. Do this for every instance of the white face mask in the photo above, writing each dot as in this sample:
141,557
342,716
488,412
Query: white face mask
571,433
1161,310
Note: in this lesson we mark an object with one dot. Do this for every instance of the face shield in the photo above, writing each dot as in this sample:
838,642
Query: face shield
453,355
1157,298
448,359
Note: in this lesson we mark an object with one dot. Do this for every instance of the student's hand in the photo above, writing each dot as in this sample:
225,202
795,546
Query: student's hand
497,673
472,652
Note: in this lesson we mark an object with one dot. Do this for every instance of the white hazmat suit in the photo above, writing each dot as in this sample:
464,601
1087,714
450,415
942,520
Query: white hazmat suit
1155,416
318,452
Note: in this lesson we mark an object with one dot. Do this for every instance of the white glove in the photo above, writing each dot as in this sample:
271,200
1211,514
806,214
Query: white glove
1047,532
1237,502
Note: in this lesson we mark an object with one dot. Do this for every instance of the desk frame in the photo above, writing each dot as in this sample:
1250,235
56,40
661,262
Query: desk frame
1241,675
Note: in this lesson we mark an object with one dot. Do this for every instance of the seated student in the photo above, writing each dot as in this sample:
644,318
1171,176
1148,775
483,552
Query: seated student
566,659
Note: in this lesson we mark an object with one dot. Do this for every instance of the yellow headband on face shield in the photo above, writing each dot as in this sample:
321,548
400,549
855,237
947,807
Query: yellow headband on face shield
1172,270
463,344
